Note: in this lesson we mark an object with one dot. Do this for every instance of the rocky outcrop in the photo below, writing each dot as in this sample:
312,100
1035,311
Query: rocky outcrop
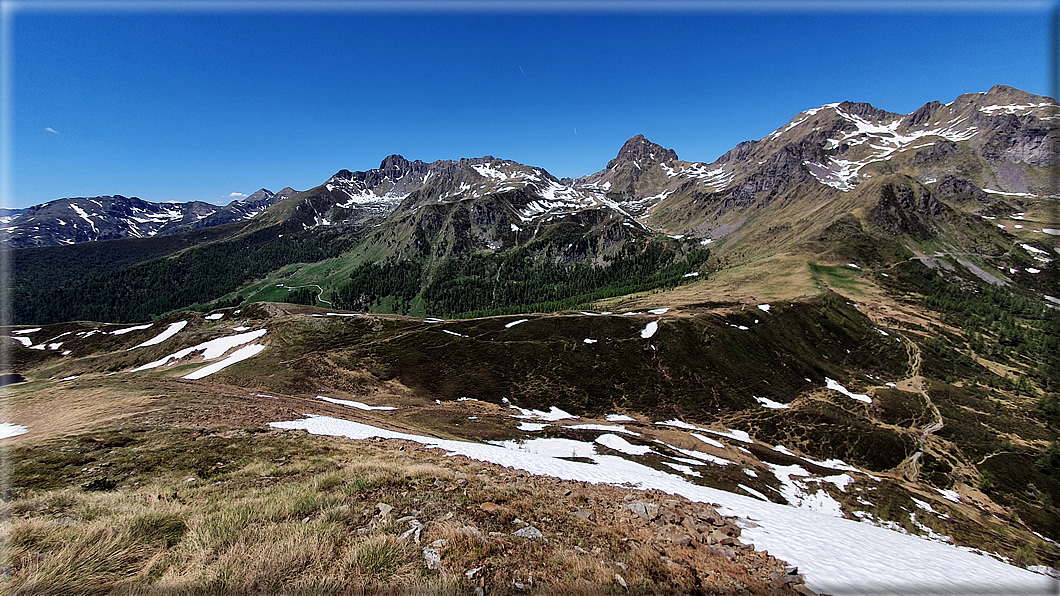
903,210
638,541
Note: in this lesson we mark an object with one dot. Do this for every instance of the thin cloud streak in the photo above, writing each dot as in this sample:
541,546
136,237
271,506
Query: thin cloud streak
51,130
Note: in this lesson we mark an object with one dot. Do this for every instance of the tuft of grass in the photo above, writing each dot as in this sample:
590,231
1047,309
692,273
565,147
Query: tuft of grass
94,562
378,557
167,528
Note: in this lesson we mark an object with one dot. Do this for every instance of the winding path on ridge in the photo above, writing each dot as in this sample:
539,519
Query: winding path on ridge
910,467
320,296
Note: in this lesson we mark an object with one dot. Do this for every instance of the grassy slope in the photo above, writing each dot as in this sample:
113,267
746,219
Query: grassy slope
191,494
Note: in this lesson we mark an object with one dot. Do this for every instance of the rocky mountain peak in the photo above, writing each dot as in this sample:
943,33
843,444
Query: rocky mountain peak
260,195
394,163
640,149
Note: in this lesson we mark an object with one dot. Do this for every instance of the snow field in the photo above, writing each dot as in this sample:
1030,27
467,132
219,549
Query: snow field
835,386
649,329
128,329
552,415
612,428
765,402
237,356
354,404
621,445
169,332
837,556
215,348
8,429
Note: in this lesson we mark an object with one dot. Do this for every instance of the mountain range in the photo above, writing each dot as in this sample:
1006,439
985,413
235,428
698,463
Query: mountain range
1008,145
846,333
73,220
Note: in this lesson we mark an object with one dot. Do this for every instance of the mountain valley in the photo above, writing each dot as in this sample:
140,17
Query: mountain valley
843,335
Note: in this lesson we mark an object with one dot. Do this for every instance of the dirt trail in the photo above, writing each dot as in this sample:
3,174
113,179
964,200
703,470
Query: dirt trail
910,467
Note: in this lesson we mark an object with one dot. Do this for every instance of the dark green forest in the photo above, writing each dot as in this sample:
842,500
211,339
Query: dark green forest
53,285
483,284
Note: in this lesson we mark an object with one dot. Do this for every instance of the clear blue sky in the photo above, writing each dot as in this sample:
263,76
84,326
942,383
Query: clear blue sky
196,106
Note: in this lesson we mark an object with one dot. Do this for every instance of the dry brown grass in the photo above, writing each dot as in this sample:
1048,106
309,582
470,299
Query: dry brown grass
308,522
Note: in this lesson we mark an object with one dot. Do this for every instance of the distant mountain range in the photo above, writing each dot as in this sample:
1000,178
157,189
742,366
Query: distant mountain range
982,146
73,220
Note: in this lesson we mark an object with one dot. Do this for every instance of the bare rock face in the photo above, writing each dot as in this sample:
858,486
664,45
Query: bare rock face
903,210
955,188
642,151
1023,139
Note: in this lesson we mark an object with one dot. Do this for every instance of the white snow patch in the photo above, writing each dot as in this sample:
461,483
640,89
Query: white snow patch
128,329
621,445
70,378
768,403
950,495
548,447
454,333
25,331
237,356
683,469
680,424
514,323
753,492
532,426
215,316
590,341
617,428
1033,270
169,332
620,418
649,329
709,441
8,429
782,449
354,404
215,348
693,274
833,385
795,491
658,311
552,415
24,341
764,307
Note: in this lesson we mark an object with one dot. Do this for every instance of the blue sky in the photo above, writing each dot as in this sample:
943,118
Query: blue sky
187,105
